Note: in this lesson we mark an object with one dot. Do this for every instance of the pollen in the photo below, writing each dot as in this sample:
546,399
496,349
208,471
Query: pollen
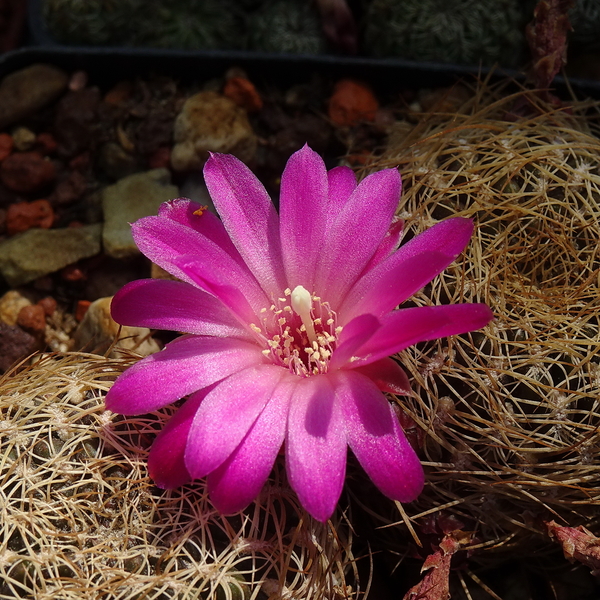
299,332
199,212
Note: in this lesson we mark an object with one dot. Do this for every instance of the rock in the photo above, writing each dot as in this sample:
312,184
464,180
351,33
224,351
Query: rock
76,123
46,143
38,252
15,345
24,92
6,145
26,172
160,158
351,103
26,215
49,305
23,138
116,162
10,305
32,319
70,189
72,273
131,199
98,331
243,93
211,122
81,309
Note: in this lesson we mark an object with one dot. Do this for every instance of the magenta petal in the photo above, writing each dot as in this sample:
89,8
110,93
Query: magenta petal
316,446
376,438
218,282
303,208
166,465
356,233
240,478
389,243
226,415
353,336
176,306
405,327
249,217
387,375
197,217
409,269
186,365
342,182
167,243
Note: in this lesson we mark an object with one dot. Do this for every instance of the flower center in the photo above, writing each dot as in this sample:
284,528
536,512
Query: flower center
299,331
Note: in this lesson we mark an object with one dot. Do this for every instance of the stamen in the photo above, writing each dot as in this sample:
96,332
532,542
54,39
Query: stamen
302,304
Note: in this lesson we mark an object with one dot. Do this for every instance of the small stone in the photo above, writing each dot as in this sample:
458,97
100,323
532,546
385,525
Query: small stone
26,172
160,159
39,252
26,215
49,305
128,200
116,162
76,121
211,122
15,345
24,92
243,93
6,145
46,143
81,162
23,138
78,81
32,319
70,189
81,309
72,273
351,103
119,93
98,331
10,305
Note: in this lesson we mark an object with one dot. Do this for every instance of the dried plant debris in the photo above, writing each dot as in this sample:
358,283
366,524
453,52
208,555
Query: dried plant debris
80,518
509,416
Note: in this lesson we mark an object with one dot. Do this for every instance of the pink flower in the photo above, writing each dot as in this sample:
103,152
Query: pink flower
290,320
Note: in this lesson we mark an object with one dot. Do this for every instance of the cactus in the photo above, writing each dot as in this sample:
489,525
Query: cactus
199,24
510,416
463,31
286,26
80,517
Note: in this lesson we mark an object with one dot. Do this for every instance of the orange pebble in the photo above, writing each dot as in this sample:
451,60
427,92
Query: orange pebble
25,215
6,145
243,93
352,102
72,273
119,93
81,309
48,304
32,318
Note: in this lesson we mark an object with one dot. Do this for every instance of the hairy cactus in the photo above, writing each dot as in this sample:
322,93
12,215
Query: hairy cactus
81,518
510,415
286,26
463,31
198,24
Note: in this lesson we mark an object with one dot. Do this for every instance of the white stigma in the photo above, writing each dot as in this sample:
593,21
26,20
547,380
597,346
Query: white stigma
302,304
